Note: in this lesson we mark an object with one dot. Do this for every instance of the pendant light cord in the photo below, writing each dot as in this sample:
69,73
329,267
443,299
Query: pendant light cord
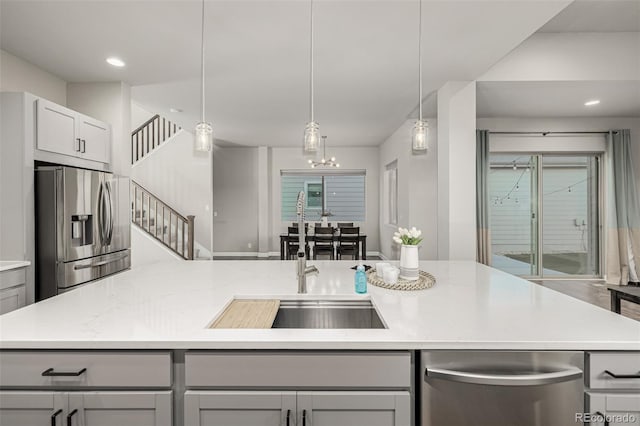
420,58
311,65
202,95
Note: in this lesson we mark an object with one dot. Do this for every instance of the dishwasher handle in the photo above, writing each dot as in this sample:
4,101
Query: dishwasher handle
497,379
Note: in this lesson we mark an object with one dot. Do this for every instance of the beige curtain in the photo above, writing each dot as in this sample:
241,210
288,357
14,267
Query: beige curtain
623,211
483,245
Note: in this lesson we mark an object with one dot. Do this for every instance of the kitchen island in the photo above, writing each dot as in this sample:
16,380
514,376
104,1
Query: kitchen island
138,344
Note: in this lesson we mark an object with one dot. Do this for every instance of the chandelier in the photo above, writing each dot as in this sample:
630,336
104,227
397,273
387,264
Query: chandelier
324,161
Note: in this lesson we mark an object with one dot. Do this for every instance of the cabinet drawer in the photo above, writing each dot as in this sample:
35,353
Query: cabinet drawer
601,364
12,278
298,369
101,369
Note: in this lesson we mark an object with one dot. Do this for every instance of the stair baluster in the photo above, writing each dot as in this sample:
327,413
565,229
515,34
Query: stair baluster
150,135
175,231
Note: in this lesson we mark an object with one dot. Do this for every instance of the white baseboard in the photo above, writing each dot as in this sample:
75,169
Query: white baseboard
382,256
236,253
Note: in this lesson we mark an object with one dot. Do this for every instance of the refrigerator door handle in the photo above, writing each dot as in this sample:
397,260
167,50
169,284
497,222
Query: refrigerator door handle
101,263
110,211
101,213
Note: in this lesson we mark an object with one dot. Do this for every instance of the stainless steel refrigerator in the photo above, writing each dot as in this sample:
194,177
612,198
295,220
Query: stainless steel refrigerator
83,227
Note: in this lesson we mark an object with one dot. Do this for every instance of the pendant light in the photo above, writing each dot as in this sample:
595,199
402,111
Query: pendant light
324,162
203,134
311,131
420,133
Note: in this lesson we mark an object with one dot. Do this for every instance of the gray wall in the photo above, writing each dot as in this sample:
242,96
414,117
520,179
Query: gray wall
235,200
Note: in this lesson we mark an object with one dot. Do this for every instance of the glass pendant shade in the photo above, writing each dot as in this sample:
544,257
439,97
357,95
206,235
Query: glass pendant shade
311,138
419,137
203,137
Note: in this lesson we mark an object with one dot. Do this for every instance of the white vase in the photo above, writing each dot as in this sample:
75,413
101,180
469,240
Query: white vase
409,263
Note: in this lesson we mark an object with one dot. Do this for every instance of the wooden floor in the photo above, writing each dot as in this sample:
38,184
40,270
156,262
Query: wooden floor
592,292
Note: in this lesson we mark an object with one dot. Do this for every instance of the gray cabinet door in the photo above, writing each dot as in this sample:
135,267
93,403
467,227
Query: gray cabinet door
12,298
204,408
619,408
32,408
120,408
354,409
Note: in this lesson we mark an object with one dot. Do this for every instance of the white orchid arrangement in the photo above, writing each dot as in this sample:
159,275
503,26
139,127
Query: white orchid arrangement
408,237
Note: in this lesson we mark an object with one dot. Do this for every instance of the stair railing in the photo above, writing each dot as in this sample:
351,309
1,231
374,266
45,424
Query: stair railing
162,222
150,135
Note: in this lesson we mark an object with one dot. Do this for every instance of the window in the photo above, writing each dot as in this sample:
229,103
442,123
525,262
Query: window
391,193
338,194
314,195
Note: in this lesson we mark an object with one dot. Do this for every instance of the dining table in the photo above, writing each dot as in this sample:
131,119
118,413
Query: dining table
361,253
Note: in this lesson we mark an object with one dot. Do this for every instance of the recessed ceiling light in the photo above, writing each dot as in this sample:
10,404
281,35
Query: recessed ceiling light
592,103
116,62
175,110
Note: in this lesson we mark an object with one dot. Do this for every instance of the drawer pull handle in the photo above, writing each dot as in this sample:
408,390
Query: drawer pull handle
288,417
70,417
50,373
304,417
622,376
54,416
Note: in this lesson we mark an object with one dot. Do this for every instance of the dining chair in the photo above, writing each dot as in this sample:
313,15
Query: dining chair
323,242
345,224
293,243
349,242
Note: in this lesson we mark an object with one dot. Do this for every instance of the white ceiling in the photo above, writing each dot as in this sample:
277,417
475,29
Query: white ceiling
558,99
596,16
257,56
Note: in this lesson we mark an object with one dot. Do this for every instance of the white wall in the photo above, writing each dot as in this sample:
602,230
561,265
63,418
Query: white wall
417,190
349,158
457,171
180,177
111,103
235,200
139,116
147,251
571,57
18,75
569,124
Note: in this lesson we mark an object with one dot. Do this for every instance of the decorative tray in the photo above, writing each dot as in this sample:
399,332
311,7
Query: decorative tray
425,281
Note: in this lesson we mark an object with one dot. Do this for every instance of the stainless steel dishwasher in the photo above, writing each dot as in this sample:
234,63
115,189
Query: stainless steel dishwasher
501,388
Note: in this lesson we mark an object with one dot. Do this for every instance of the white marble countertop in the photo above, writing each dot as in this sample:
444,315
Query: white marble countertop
6,265
169,305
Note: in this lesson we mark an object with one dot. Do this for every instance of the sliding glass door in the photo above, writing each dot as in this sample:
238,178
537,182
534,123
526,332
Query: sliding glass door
545,215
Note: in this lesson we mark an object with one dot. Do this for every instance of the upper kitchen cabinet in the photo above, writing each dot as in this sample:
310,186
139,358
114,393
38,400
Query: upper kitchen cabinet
94,137
61,130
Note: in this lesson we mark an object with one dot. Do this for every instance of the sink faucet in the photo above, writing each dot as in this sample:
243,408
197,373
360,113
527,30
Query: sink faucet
302,268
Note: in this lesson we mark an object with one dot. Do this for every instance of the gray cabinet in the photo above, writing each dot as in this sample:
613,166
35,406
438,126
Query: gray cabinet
621,408
349,408
120,408
12,290
32,408
101,408
228,408
613,382
355,408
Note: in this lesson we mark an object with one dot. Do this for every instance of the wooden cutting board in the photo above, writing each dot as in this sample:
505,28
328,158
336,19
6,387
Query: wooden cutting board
248,313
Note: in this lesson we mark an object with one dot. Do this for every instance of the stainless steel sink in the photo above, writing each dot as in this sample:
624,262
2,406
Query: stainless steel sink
327,314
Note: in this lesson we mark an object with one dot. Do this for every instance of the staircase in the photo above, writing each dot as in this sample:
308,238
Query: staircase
150,135
162,222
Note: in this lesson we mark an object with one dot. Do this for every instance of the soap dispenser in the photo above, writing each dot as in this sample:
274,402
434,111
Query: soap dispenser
361,280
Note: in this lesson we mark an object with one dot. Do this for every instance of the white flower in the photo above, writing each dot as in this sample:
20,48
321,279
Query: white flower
396,235
397,240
